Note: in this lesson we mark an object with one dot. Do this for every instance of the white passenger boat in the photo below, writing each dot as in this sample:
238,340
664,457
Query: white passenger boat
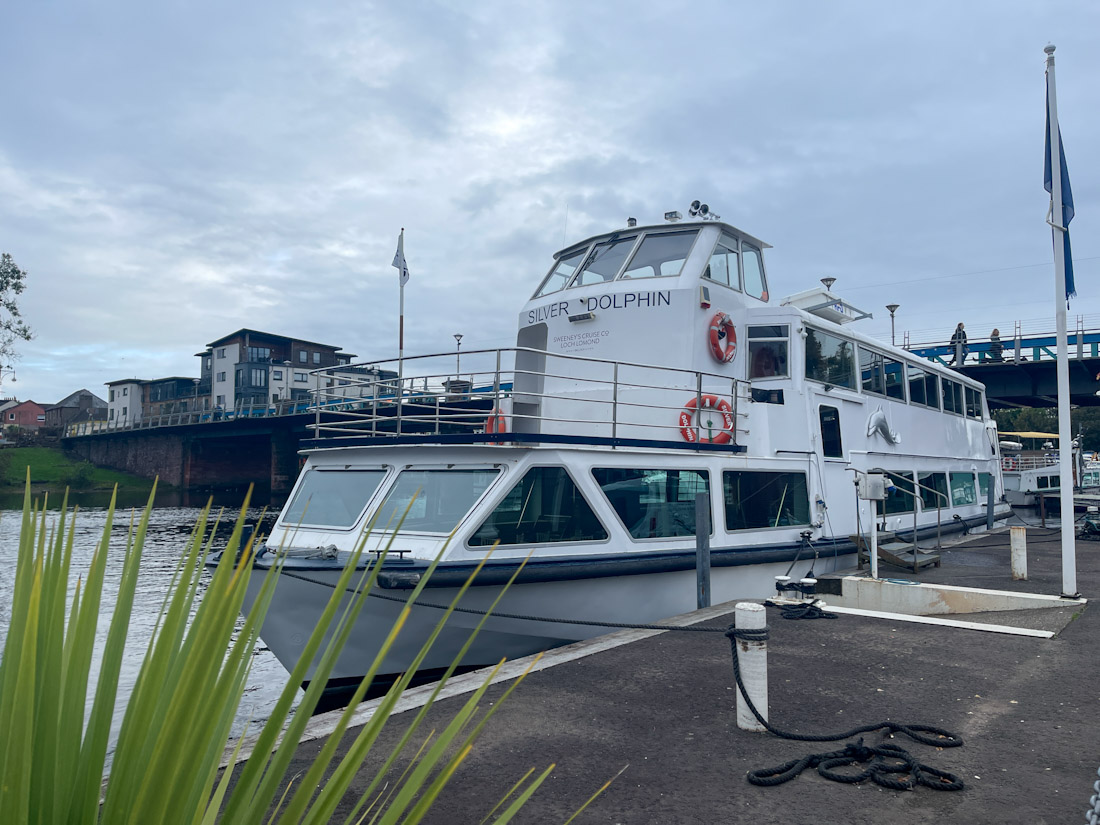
651,365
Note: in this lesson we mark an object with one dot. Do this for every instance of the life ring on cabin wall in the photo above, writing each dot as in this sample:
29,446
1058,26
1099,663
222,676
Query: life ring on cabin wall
721,326
706,402
496,422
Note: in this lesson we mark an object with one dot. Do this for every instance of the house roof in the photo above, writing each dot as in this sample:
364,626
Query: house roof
126,381
269,335
73,400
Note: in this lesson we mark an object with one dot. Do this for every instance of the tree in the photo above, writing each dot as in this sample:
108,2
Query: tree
12,327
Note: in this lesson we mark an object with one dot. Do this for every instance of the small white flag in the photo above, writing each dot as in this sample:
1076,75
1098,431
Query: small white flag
399,259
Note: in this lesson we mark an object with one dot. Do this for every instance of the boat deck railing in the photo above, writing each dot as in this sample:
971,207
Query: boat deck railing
520,394
1014,463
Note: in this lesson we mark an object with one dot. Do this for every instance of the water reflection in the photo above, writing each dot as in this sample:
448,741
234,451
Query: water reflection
166,539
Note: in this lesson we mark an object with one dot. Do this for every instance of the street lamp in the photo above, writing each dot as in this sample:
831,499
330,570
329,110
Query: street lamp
892,308
458,354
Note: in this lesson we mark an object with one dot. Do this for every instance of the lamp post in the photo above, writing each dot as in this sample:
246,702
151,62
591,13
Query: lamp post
892,308
458,354
9,369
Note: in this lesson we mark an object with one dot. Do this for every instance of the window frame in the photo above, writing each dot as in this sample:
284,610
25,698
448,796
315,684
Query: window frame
853,362
751,339
737,253
506,489
725,512
610,242
388,474
704,472
622,276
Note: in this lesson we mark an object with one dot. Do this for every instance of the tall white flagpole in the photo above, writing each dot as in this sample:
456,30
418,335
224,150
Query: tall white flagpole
1065,434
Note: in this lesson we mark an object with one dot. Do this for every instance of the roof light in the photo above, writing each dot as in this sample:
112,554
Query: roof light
672,217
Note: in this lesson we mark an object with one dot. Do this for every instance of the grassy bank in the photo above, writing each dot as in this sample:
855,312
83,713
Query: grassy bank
52,469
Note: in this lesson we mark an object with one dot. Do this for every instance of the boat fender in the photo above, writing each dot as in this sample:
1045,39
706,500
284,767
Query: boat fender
722,327
398,581
496,423
687,415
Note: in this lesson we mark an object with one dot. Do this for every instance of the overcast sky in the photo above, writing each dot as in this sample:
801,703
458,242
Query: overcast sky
173,171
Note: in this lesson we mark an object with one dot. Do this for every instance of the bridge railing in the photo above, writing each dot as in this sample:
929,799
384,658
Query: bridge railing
1015,349
176,419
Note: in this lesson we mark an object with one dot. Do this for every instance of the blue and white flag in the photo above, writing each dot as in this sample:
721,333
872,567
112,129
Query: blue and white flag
1067,195
399,259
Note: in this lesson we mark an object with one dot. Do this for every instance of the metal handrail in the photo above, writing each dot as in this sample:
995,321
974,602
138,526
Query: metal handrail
939,508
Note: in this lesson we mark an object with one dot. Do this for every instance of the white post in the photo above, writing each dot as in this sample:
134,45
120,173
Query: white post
752,657
1065,437
874,538
1018,543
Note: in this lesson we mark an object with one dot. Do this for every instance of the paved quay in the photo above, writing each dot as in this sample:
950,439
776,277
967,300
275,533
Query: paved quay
662,706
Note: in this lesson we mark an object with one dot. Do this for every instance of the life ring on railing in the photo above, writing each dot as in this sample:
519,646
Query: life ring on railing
496,422
722,327
707,402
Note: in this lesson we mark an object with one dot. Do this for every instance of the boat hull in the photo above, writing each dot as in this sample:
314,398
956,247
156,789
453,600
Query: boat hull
301,596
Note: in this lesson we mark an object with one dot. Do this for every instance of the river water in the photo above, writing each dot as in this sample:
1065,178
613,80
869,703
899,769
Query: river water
166,539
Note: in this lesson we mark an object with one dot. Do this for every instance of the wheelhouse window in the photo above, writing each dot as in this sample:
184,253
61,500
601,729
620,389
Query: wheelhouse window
829,359
871,371
831,445
604,261
755,500
768,351
924,387
936,496
983,485
962,489
661,254
561,273
753,264
331,498
436,500
653,503
722,267
545,506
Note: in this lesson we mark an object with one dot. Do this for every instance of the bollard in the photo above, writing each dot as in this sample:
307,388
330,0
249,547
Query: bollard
753,660
702,550
1019,553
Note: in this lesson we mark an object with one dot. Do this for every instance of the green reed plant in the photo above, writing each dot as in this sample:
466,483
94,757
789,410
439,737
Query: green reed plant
177,720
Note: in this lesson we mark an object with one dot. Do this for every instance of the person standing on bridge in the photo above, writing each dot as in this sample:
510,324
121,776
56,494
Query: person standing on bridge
996,348
958,346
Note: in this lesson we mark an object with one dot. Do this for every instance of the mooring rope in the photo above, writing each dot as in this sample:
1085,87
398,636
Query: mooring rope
885,761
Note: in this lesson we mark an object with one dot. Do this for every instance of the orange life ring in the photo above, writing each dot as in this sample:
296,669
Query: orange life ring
496,423
687,416
721,326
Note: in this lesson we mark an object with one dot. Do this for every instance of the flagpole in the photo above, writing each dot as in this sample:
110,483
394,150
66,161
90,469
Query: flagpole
1065,435
401,313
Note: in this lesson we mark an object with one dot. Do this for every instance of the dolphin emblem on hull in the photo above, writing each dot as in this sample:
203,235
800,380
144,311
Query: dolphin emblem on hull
877,423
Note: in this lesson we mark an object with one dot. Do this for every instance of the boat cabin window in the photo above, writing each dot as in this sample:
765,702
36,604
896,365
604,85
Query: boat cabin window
1047,482
924,387
952,396
604,261
973,403
829,359
983,485
561,273
962,489
768,351
895,378
831,446
871,371
757,499
899,498
661,254
753,266
937,482
544,506
722,266
653,503
435,500
331,498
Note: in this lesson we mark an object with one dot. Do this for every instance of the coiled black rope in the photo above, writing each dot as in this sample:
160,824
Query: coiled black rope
885,760
802,610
